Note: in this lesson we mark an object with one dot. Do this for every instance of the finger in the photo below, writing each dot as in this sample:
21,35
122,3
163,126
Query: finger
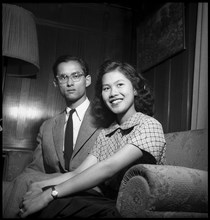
21,212
31,196
28,193
21,204
24,215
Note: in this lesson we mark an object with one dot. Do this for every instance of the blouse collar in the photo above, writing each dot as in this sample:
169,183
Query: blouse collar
131,122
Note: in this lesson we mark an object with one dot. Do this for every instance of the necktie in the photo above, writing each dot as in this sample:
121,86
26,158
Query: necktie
68,144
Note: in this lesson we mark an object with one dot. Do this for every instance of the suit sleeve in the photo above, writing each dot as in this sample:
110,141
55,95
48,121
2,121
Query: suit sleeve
37,162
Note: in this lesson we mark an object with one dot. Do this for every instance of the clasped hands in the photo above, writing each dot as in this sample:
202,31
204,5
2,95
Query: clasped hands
34,200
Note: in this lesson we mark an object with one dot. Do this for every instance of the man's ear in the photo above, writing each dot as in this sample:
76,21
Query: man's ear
135,92
88,80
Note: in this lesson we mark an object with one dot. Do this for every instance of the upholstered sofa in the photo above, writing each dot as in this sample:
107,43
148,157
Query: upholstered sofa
178,189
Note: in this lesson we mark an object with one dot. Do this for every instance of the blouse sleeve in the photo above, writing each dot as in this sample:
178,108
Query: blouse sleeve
96,149
150,137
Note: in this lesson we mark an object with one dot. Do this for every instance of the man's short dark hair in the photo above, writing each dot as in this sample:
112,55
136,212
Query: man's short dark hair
67,58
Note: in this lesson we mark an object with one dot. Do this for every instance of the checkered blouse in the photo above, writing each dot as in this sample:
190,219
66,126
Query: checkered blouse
140,130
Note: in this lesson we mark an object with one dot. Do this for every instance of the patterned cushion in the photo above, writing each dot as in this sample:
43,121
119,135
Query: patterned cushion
148,188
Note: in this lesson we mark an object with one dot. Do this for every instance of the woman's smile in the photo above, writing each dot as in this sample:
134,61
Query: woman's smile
116,101
118,94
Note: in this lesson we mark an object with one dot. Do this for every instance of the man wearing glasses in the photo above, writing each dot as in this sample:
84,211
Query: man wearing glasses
50,158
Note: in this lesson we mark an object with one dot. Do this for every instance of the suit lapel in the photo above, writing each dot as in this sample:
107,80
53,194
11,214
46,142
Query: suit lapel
85,132
58,136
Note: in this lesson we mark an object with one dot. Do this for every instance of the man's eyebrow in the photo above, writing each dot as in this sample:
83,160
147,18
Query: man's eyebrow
70,73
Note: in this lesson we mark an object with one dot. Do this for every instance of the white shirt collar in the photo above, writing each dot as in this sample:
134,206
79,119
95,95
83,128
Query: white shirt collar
81,109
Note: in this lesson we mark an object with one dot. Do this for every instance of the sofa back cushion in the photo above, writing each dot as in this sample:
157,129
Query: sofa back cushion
187,148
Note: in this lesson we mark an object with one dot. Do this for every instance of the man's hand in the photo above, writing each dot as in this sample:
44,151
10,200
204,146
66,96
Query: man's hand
34,202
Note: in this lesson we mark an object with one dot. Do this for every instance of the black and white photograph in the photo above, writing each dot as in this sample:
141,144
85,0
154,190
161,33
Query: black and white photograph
104,109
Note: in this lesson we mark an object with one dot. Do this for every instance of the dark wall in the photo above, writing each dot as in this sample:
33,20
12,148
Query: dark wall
172,80
92,31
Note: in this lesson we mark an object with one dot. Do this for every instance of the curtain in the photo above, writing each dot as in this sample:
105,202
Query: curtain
199,116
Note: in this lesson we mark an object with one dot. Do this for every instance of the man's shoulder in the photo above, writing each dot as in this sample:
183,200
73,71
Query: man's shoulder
53,118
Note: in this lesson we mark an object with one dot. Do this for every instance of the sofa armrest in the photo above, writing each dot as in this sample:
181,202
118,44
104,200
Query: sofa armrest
149,188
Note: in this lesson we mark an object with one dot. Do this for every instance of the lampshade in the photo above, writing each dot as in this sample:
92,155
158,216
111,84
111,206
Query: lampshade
19,41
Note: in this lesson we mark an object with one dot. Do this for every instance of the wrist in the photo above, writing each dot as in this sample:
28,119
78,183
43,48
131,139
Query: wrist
49,197
43,183
54,192
35,185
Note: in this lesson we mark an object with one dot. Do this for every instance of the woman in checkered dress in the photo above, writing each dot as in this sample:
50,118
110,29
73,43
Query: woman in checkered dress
123,107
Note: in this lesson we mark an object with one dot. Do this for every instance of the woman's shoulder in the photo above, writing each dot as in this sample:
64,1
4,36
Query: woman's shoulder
146,119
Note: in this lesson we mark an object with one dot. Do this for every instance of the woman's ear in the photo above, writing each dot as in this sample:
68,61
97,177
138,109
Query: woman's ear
88,80
135,92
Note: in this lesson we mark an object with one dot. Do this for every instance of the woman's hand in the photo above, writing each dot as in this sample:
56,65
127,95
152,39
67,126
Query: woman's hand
35,185
33,203
34,189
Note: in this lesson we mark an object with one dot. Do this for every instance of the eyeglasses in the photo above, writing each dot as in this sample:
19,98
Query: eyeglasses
75,77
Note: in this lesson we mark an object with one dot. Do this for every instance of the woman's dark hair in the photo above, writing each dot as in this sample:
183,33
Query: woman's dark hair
143,102
67,58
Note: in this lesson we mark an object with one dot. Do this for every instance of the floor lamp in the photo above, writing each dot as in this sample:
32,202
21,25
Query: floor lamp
20,54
